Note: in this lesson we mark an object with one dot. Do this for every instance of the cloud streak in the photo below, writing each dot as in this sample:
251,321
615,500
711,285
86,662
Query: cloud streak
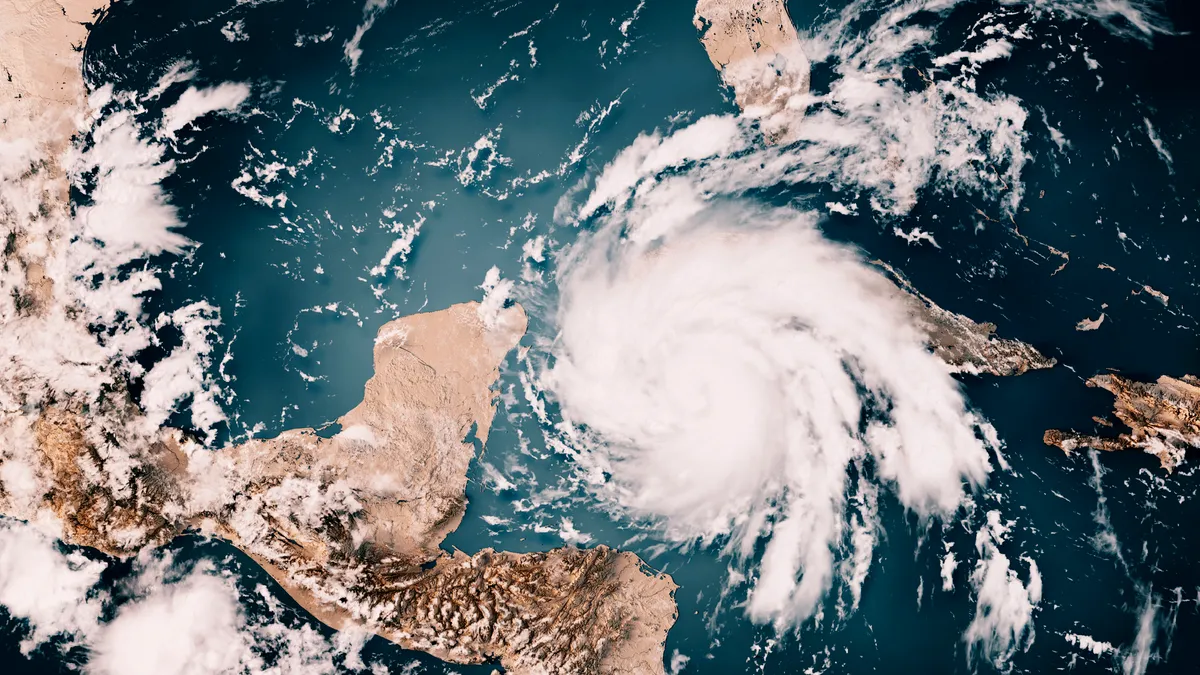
352,49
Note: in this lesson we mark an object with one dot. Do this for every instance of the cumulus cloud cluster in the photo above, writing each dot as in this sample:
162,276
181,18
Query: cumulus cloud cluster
174,618
873,131
1003,621
97,260
870,131
83,276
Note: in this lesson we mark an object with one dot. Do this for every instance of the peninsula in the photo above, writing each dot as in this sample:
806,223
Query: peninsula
755,46
753,43
350,525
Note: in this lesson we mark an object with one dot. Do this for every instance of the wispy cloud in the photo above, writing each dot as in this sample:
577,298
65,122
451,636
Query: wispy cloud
352,48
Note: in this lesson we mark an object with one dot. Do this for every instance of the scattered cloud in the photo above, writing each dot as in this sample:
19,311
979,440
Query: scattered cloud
1004,605
496,291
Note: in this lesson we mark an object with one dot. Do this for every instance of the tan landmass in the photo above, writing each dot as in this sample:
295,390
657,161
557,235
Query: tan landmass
1090,324
755,46
966,345
40,46
41,88
1156,294
1163,416
1065,255
350,525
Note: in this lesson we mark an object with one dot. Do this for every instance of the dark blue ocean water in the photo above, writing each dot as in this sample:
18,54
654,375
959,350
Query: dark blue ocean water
421,65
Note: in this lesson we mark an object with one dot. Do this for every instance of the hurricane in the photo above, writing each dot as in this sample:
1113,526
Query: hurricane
646,336
763,372
772,381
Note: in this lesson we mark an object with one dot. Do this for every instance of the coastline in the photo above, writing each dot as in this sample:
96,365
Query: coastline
755,47
389,487
42,89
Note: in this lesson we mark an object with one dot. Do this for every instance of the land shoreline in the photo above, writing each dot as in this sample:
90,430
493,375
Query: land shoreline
350,526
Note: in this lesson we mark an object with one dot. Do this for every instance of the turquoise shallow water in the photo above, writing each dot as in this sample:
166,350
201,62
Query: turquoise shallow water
421,68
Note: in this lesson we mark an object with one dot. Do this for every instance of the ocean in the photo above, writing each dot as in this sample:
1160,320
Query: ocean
468,122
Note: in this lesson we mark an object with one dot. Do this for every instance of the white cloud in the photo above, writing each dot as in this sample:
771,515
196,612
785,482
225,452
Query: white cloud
130,219
534,249
53,592
510,75
401,248
1089,644
570,534
98,274
1152,621
732,368
184,375
865,531
178,72
992,50
757,362
867,133
915,236
1003,621
235,31
1137,658
1159,146
949,564
129,214
192,627
353,49
477,163
180,618
1129,18
495,293
678,663
714,135
196,103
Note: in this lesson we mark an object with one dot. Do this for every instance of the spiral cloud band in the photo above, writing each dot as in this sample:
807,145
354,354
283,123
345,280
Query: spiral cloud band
735,373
